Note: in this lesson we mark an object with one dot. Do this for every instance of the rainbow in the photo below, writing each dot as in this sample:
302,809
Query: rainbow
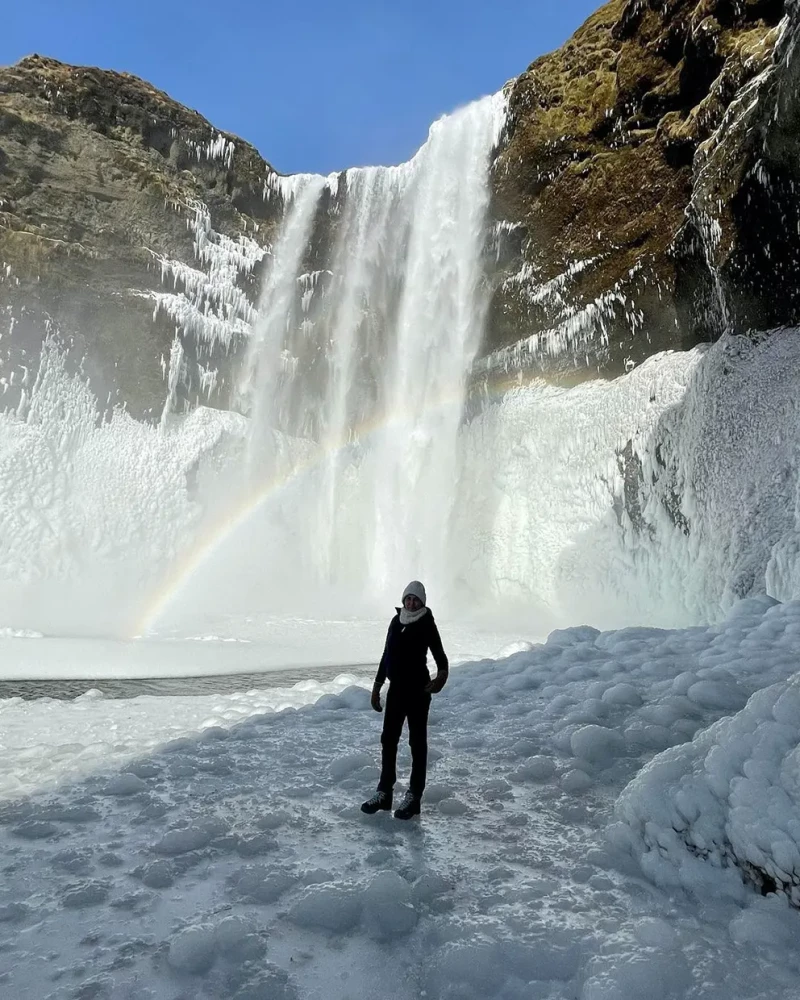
189,562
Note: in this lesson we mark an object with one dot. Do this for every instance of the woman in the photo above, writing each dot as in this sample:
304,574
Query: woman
412,632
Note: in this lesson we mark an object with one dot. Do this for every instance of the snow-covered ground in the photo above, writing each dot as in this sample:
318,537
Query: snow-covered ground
48,740
581,835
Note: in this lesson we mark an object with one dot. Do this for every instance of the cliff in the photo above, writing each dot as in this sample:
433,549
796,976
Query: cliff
112,198
643,199
635,220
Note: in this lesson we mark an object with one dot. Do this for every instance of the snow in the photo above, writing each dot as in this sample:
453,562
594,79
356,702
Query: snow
119,526
47,741
93,509
597,744
38,738
261,645
594,818
730,797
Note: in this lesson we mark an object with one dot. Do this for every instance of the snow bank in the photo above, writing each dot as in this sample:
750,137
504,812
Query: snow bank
608,702
730,799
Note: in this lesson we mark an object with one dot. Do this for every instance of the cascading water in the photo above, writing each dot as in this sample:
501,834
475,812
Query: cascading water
369,355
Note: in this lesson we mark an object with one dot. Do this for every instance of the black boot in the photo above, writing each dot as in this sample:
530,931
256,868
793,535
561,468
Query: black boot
380,800
410,806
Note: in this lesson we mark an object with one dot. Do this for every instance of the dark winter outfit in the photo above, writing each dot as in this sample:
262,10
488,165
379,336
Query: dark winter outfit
404,664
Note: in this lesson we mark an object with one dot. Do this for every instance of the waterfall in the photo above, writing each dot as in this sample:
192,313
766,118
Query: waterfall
265,363
368,354
354,464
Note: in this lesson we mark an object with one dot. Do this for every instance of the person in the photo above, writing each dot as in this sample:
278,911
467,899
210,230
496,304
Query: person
412,632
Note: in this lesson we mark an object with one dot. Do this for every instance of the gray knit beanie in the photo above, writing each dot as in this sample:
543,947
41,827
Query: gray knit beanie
416,589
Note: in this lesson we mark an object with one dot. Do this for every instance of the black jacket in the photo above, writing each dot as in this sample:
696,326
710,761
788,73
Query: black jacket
405,655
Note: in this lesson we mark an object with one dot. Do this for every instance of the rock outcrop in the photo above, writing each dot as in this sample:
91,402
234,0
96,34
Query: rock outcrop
643,199
633,173
113,198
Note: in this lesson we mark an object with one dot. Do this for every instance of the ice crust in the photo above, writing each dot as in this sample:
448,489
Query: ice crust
597,809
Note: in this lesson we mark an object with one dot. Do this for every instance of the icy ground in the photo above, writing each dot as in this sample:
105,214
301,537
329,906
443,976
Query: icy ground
224,644
49,740
575,842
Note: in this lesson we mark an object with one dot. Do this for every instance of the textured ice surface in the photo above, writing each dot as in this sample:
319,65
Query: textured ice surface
234,861
52,740
731,798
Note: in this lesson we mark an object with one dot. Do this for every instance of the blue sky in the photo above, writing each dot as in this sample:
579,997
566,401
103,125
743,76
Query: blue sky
315,86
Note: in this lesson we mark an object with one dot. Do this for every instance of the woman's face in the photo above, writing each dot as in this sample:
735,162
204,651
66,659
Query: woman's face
412,603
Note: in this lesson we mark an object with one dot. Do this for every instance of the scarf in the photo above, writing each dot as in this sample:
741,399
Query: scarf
409,617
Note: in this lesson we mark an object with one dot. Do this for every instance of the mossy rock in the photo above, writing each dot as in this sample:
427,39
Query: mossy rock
601,162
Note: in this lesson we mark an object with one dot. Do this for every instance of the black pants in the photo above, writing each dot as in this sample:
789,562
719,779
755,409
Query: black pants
413,706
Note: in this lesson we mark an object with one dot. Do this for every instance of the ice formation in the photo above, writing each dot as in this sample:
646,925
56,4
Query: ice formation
373,450
663,496
728,803
209,308
219,148
94,509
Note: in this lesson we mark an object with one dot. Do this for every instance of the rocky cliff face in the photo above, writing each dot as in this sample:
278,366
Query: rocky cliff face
644,198
114,202
647,178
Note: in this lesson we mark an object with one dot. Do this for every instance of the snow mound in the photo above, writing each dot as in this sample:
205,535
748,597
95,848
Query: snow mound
125,784
597,744
641,974
327,908
731,797
192,950
388,908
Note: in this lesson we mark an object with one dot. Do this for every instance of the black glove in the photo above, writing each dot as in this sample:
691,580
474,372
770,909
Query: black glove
375,700
438,682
